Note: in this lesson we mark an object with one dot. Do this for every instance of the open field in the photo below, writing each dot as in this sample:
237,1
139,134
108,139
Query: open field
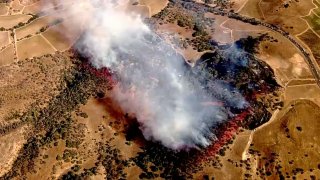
275,13
237,5
314,22
154,6
310,91
34,27
12,20
251,8
29,2
288,18
312,41
240,26
296,142
34,46
61,37
7,55
3,9
288,64
4,39
317,10
32,9
220,34
16,7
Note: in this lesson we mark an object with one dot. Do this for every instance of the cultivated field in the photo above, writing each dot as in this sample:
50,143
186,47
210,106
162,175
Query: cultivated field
3,9
12,20
34,27
7,55
4,39
61,37
154,6
34,47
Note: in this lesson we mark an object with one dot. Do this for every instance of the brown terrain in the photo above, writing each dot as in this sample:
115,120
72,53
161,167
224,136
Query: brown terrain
36,66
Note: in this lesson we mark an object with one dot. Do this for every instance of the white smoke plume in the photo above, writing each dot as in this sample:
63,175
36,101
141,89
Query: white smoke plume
171,108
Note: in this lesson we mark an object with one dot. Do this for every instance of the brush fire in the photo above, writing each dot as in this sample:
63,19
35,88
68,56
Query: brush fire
175,104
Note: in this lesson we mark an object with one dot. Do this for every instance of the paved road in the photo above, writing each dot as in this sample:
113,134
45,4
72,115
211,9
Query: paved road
312,64
218,11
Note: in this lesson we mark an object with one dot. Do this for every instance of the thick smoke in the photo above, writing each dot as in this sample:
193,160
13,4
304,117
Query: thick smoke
171,107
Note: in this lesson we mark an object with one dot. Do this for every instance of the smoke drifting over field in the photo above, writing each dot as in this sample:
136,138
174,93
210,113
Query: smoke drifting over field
171,107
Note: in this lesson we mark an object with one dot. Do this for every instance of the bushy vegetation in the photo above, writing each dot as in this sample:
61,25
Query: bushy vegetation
54,122
202,43
199,30
113,162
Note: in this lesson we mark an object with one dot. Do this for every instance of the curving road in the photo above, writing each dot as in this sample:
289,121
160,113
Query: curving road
219,11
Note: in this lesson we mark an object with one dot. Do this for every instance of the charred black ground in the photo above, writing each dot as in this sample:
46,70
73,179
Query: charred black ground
239,70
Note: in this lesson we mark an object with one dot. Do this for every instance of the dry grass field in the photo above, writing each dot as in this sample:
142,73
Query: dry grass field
237,5
4,39
7,55
314,22
288,64
317,10
3,9
12,20
34,27
312,41
311,35
154,6
252,8
34,47
296,142
16,7
61,37
32,9
29,2
310,91
239,26
142,10
277,13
